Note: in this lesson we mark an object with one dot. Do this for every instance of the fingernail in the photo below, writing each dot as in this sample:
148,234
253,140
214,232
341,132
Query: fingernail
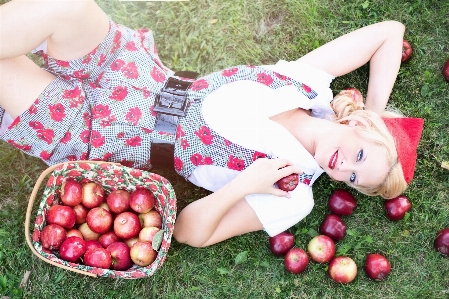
288,195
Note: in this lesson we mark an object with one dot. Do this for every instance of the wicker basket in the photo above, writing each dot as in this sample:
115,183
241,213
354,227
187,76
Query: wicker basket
111,176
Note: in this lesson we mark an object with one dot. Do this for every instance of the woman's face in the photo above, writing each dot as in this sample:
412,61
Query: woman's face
349,156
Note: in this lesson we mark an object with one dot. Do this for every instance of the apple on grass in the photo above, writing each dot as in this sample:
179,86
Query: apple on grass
296,260
446,71
377,267
141,200
88,234
108,238
118,201
289,182
406,51
52,236
71,192
342,269
127,225
282,243
441,242
93,195
62,215
99,220
321,249
333,226
396,208
72,249
120,254
142,253
341,202
151,218
98,257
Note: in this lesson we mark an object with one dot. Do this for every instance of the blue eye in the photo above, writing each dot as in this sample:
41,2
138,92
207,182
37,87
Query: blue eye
353,177
360,155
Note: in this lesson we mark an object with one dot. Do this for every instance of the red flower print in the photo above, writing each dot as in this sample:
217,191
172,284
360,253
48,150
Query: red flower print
76,102
71,158
199,84
36,235
66,138
57,112
84,156
100,111
62,63
14,123
152,111
106,122
121,135
131,46
46,135
106,156
136,173
258,155
127,163
24,147
101,60
281,77
227,142
97,139
178,163
39,220
264,79
84,136
119,93
204,134
179,132
117,65
146,93
134,141
184,144
133,116
306,181
80,74
87,59
45,155
35,125
208,161
157,75
236,163
147,131
130,71
32,109
71,93
306,88
230,72
196,159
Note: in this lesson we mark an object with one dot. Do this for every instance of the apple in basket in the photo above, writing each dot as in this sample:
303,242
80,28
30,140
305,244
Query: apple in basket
98,257
108,238
142,253
121,258
62,215
130,242
88,234
93,195
74,232
99,220
80,213
141,200
127,225
91,244
71,192
118,201
52,236
151,218
72,249
147,233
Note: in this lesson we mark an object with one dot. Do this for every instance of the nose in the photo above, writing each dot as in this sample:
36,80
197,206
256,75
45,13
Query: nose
346,165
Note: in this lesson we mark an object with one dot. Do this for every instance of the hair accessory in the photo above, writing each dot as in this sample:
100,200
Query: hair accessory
406,132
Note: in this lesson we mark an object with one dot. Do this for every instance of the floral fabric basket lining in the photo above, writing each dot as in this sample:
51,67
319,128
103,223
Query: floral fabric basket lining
111,176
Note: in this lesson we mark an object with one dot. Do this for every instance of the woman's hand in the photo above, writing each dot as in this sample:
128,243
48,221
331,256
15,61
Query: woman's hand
260,176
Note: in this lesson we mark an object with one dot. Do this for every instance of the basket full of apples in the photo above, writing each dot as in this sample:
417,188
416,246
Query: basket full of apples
102,219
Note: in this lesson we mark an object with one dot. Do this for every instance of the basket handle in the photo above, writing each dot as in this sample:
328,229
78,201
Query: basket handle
30,208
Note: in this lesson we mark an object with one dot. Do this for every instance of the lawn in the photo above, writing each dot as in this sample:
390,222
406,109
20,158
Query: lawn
205,36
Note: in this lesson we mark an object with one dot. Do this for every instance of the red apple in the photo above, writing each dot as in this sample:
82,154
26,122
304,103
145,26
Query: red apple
62,215
342,269
121,258
71,192
105,206
98,257
151,218
99,220
118,201
72,249
281,243
141,200
296,260
321,249
74,232
93,195
289,182
91,244
146,234
127,225
396,208
88,234
406,51
130,242
142,253
341,202
52,236
355,94
377,267
80,214
108,238
441,242
446,71
333,226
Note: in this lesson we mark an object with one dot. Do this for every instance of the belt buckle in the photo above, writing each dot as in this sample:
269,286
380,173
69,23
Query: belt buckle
172,99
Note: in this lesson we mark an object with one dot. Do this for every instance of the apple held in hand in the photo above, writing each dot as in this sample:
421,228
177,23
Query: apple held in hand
93,195
441,242
120,254
127,225
342,269
72,249
446,71
406,51
333,226
289,182
71,192
98,257
341,202
62,215
282,243
52,236
396,208
321,249
118,201
151,218
377,267
142,253
296,260
99,220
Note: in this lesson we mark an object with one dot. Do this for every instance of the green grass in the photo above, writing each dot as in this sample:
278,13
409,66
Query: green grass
206,35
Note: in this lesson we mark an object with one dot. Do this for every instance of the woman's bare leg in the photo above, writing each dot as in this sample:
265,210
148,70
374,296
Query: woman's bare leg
380,44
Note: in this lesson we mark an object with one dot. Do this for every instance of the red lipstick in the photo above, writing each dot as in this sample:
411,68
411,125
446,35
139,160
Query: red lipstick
333,160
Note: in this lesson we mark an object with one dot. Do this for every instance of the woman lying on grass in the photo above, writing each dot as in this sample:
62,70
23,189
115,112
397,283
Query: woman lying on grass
102,97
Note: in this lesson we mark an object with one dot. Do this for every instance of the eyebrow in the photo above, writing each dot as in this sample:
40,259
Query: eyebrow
364,159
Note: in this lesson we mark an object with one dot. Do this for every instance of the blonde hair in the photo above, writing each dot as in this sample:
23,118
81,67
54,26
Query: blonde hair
347,109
